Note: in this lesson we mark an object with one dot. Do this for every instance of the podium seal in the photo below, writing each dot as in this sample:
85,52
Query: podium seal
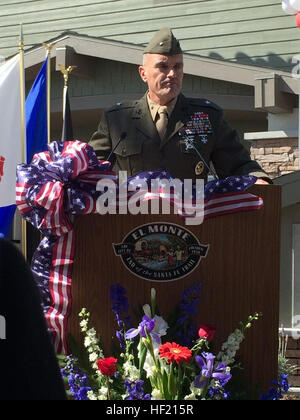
161,252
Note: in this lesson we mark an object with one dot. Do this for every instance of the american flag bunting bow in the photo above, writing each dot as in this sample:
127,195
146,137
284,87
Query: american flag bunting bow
56,185
61,183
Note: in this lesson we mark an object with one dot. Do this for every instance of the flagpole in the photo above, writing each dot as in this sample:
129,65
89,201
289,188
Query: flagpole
48,55
66,71
23,135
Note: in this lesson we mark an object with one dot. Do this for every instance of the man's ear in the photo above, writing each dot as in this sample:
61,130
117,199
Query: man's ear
143,74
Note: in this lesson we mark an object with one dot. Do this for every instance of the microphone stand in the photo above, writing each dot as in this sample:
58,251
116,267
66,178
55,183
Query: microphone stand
122,137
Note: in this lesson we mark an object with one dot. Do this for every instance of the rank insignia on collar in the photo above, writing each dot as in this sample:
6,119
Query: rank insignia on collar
199,168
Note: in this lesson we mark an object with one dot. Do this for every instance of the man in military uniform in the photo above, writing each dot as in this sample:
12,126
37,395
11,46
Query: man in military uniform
165,130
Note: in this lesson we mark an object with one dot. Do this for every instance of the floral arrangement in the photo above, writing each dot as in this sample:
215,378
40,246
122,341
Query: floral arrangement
146,368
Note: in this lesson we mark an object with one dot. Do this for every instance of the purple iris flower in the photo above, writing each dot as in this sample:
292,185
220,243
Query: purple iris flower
206,364
146,324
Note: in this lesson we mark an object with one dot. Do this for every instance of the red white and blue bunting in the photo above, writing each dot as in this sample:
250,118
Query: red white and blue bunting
61,183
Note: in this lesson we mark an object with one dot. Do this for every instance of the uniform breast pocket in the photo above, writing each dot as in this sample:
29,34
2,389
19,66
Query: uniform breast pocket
129,157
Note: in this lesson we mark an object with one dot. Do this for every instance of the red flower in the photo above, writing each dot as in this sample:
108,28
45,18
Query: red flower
207,331
107,366
175,353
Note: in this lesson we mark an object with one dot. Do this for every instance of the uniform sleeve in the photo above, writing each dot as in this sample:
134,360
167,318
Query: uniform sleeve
230,157
100,140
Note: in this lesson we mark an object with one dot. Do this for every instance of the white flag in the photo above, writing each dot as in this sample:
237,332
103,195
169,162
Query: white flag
10,129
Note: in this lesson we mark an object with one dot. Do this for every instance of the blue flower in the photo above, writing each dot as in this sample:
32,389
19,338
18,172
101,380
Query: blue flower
217,392
208,371
119,304
135,390
119,299
77,380
82,394
188,309
275,392
284,384
147,325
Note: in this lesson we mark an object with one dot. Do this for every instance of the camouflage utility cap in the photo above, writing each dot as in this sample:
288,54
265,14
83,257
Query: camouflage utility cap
163,42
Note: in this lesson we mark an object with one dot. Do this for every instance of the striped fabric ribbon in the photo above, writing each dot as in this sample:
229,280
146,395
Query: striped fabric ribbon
57,185
61,183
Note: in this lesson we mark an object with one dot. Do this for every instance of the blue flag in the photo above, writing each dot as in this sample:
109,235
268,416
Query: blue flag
6,219
36,115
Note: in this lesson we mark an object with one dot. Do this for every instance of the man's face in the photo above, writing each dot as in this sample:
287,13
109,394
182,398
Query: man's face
164,75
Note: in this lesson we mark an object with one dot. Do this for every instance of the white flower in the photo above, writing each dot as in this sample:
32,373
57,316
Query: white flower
194,393
161,326
156,395
92,396
131,372
93,357
230,347
190,397
149,365
102,393
87,342
84,324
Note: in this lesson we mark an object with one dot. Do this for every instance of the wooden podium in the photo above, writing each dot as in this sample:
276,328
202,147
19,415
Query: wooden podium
239,276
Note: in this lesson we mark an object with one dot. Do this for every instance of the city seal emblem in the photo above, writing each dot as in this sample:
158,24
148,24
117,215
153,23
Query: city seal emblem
161,252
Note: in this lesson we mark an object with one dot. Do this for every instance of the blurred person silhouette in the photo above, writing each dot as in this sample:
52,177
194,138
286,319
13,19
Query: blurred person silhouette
28,366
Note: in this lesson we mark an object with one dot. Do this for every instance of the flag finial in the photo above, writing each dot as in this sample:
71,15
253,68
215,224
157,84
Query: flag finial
66,71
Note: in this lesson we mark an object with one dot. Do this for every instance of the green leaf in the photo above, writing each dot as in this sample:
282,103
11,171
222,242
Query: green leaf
172,383
142,357
165,384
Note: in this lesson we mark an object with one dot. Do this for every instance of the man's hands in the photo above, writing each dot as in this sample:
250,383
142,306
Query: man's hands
261,181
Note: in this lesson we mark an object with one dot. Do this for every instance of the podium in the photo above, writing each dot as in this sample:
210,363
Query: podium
239,276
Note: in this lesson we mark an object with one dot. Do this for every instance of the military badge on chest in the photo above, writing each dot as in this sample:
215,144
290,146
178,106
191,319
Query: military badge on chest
194,131
199,126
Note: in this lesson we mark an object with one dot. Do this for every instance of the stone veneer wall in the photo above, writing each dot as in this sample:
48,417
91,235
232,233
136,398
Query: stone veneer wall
276,156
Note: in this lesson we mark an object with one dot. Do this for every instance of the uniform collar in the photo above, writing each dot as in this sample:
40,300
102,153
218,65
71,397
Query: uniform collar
143,120
154,107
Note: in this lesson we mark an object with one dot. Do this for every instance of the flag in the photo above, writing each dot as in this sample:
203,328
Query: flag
6,219
67,130
36,115
220,197
10,139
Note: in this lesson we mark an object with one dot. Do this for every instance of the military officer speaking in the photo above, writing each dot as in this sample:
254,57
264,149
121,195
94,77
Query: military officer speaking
165,130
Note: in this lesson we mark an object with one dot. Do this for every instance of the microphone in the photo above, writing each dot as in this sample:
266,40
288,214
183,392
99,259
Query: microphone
189,142
122,137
